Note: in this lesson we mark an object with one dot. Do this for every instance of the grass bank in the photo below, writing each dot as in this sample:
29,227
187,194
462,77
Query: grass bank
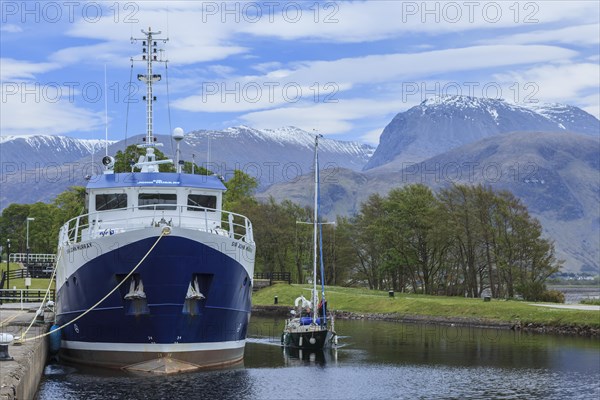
38,284
363,301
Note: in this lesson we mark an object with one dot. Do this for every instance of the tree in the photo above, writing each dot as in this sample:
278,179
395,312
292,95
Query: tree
240,189
526,259
187,168
458,205
345,256
70,203
43,231
12,226
369,244
417,239
496,243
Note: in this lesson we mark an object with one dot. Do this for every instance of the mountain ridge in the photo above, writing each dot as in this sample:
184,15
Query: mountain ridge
442,123
37,168
555,174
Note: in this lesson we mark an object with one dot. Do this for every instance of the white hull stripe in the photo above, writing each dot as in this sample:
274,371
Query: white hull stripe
152,347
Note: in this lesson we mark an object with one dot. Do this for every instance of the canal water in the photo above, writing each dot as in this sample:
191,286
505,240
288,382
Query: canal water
375,360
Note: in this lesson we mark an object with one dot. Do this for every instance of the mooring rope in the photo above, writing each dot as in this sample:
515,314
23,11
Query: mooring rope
45,296
165,231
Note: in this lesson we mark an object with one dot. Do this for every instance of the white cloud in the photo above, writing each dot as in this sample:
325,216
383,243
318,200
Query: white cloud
11,69
32,117
368,79
327,118
11,28
593,109
372,137
335,77
190,40
268,66
365,21
558,82
105,52
579,35
382,68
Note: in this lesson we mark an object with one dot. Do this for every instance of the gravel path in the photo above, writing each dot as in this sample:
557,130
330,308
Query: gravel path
570,306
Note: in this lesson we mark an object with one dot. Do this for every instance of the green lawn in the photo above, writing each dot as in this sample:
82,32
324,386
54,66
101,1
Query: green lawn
41,284
378,302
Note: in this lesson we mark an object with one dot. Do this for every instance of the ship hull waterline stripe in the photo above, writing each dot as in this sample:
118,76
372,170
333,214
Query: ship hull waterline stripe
152,305
152,347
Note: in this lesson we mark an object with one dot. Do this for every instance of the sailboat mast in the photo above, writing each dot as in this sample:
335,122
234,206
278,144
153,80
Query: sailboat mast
315,223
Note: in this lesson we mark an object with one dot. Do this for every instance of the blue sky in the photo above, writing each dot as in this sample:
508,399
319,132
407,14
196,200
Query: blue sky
344,68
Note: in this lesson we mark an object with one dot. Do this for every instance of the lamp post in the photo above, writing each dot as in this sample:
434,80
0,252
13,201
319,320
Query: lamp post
7,263
28,219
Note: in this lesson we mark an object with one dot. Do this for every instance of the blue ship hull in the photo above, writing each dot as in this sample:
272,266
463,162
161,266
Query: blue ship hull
121,332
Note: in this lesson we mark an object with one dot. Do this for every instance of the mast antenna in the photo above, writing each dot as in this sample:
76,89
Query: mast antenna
150,54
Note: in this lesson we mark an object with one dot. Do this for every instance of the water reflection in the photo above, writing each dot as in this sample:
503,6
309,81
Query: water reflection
297,357
458,346
376,360
67,382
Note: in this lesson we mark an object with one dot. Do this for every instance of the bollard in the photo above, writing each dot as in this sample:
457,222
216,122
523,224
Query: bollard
391,293
39,317
5,340
275,300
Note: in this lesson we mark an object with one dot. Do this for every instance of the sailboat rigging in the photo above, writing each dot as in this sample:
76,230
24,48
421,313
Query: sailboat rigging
308,327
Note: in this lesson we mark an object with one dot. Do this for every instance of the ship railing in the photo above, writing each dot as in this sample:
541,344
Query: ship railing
105,223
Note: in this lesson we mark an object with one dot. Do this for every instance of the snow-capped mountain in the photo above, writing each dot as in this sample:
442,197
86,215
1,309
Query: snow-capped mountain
41,150
290,136
443,123
271,155
569,118
37,168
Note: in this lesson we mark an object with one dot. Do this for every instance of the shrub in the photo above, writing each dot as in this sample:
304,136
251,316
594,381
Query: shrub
532,291
591,302
552,296
536,291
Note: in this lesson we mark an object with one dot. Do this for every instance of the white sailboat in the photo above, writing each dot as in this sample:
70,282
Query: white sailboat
309,327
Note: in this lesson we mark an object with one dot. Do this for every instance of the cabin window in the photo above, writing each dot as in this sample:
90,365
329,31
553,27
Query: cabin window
111,201
197,202
157,201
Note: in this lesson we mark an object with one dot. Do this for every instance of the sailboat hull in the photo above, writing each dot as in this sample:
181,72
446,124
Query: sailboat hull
310,333
312,339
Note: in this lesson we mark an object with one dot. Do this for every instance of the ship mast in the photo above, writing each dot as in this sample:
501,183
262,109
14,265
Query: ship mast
150,54
315,223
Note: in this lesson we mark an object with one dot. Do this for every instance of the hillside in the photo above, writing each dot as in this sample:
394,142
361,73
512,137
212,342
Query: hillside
557,175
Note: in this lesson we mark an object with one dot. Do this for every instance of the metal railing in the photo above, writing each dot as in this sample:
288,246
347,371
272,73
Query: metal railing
113,222
33,257
274,276
33,271
24,296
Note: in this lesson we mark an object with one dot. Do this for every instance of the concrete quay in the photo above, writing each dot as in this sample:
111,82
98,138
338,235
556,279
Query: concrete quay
19,378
